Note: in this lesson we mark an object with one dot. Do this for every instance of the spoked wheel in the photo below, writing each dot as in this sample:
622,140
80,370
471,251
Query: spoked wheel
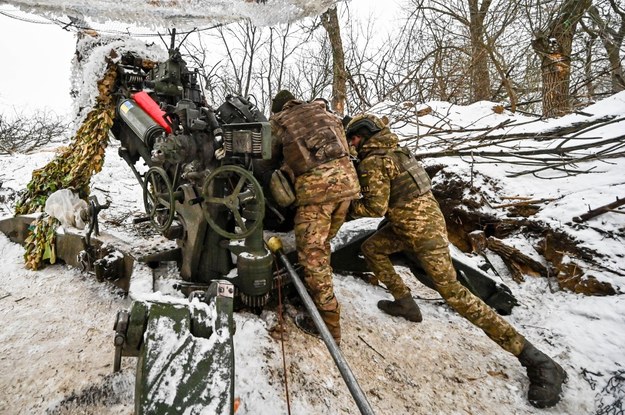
241,191
158,198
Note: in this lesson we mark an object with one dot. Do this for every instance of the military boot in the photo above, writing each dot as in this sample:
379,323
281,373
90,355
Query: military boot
404,307
545,375
305,323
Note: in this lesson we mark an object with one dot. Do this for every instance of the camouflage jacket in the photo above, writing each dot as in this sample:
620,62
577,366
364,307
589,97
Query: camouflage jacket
332,181
376,172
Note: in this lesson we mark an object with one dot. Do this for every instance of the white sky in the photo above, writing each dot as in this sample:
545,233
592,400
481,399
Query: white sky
35,70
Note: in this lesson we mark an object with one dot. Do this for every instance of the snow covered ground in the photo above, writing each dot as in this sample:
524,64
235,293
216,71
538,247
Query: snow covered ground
56,348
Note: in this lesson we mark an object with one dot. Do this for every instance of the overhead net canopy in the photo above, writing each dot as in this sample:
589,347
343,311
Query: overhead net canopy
181,14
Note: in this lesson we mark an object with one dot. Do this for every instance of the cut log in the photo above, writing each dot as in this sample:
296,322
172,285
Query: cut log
518,263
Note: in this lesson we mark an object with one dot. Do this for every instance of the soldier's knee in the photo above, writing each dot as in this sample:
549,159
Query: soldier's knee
330,305
435,245
462,300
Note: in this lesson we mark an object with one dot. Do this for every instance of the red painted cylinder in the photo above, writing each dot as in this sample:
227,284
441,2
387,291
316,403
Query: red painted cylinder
147,104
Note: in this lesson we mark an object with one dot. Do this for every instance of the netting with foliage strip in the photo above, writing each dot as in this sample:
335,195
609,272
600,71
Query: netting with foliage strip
70,169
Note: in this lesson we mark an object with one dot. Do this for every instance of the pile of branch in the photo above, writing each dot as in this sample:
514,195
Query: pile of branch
559,257
22,135
568,274
560,149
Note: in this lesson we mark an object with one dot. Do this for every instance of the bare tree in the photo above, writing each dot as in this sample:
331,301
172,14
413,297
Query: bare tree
450,50
257,61
480,77
330,22
241,41
285,47
553,44
458,51
24,134
607,21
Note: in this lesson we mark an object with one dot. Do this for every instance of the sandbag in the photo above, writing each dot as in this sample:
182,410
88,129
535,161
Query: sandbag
67,207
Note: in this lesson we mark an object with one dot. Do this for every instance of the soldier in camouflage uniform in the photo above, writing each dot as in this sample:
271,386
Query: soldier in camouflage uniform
395,185
312,143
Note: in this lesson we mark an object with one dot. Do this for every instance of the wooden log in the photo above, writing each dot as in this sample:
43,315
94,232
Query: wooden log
518,263
599,211
525,202
478,241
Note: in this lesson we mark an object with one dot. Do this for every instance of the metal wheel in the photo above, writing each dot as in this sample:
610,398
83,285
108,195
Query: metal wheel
241,191
158,198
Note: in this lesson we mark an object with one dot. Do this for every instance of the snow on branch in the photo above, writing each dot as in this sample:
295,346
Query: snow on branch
523,145
183,14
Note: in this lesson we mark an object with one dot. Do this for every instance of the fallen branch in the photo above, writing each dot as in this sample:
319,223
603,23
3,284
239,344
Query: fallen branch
526,202
599,211
371,347
517,262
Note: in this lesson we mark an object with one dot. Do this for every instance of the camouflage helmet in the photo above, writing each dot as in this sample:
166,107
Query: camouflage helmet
280,99
365,125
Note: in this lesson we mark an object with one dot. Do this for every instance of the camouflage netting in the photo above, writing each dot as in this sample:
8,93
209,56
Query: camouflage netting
74,166
70,169
182,14
40,243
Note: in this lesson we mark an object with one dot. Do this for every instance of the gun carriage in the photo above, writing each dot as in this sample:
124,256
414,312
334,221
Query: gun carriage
200,188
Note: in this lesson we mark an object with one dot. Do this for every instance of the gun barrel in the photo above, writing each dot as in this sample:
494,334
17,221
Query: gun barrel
275,245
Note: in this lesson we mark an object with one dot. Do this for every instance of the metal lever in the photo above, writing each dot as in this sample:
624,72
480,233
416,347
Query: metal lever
275,245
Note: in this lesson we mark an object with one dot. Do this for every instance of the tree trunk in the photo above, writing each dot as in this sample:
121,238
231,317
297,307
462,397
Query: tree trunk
616,69
330,22
480,78
554,48
588,61
612,41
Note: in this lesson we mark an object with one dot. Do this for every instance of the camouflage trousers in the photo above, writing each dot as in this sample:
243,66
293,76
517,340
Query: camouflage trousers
422,231
315,226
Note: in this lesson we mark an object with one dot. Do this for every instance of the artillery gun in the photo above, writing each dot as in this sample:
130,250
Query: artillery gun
200,190
200,187
200,171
